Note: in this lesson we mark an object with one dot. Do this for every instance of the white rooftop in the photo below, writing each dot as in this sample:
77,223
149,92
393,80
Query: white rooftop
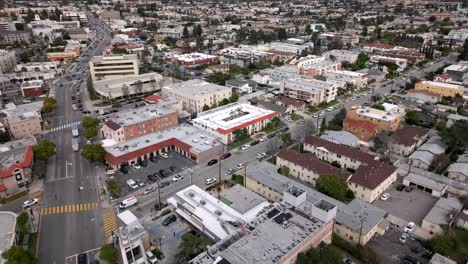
195,87
376,113
191,57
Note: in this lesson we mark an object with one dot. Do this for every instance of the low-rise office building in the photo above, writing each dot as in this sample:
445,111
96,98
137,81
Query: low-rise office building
196,94
61,57
223,121
16,160
384,120
110,66
32,88
444,89
130,85
192,59
134,123
191,142
36,66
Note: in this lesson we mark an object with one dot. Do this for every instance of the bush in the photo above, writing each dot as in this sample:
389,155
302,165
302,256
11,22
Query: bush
365,254
237,179
165,212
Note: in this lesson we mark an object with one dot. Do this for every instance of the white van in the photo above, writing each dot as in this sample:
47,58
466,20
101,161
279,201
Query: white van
151,257
128,202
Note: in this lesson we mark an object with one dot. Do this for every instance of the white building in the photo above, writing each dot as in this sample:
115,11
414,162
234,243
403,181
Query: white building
133,239
401,63
102,67
128,85
310,90
458,34
223,121
356,78
7,60
341,55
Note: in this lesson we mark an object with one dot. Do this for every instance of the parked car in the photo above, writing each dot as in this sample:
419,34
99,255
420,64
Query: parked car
140,183
263,138
82,258
210,181
152,178
403,238
149,190
169,220
272,135
212,162
244,147
354,99
230,171
400,187
124,169
29,203
409,227
385,196
143,163
132,200
261,155
255,142
174,168
178,177
163,173
153,159
164,184
136,166
348,260
132,184
410,260
226,155
164,155
240,166
331,108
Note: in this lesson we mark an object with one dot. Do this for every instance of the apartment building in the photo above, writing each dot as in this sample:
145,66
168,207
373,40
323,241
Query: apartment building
110,66
243,55
129,85
363,129
444,89
341,55
16,160
12,37
23,120
192,59
367,177
356,78
320,68
134,123
407,139
36,66
384,120
223,121
412,56
7,60
312,91
344,38
195,94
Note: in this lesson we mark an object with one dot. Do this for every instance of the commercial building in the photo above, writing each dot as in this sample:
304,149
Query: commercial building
7,60
16,160
134,123
401,63
127,86
36,66
193,143
277,235
133,239
356,222
313,91
384,120
223,121
13,37
61,57
444,89
110,66
32,88
341,55
22,120
196,94
407,139
192,59
213,217
366,176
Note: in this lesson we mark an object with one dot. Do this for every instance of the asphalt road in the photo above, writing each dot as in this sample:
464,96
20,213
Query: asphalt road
71,220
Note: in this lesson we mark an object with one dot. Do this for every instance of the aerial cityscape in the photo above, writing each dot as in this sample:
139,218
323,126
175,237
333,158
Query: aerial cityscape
233,131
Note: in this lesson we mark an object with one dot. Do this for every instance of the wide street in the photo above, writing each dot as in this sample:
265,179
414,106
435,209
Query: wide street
71,219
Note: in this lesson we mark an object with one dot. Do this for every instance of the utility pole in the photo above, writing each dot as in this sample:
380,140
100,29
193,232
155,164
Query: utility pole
245,174
159,193
362,218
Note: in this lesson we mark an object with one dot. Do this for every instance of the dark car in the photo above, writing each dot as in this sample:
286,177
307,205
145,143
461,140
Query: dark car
152,178
212,162
174,168
400,187
226,155
153,159
284,129
255,142
124,170
406,259
169,220
159,206
164,184
82,259
144,163
271,135
163,173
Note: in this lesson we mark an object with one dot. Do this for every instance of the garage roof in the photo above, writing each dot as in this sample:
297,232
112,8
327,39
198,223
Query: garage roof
426,182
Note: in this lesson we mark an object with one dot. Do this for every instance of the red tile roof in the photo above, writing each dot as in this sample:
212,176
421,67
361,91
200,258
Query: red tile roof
367,125
3,188
25,163
370,174
379,46
152,99
408,135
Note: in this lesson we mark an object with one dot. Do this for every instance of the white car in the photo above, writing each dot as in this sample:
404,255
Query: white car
149,190
329,109
263,138
354,99
321,113
132,184
315,116
261,155
240,166
409,227
29,203
244,147
164,155
178,177
230,171
210,181
385,196
136,166
404,237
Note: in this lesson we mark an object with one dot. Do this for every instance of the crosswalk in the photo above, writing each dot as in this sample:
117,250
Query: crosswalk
76,123
110,222
69,208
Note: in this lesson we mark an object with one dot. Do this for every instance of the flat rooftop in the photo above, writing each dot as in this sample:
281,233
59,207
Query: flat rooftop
7,231
14,151
196,88
110,58
375,113
444,85
141,114
199,140
233,116
191,57
241,199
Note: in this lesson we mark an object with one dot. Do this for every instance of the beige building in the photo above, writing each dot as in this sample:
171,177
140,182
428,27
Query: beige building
195,94
103,67
23,120
312,91
444,89
384,120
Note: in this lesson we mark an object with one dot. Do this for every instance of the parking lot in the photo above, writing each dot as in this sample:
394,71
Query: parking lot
167,238
175,159
389,250
416,204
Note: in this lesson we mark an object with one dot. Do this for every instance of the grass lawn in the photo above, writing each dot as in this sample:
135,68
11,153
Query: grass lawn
296,117
238,179
237,144
324,106
363,89
13,197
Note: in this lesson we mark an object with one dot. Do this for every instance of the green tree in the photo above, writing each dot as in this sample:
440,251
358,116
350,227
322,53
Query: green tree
89,121
93,152
44,149
464,53
455,136
112,186
18,255
412,118
323,125
284,170
4,137
22,223
90,132
191,246
234,98
308,29
90,88
199,42
108,253
205,108
49,105
225,101
337,122
364,31
185,33
240,134
323,254
286,138
334,186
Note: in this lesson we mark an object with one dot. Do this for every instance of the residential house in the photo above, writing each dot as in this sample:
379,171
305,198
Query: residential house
423,157
362,129
240,86
407,139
